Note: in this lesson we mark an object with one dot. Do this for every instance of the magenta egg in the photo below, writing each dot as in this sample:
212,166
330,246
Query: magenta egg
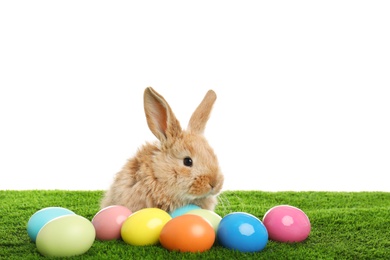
287,223
108,222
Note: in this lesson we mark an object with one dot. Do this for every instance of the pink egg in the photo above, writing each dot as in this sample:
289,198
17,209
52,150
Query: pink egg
286,223
108,222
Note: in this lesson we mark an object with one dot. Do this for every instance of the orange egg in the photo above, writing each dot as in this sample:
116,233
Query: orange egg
187,233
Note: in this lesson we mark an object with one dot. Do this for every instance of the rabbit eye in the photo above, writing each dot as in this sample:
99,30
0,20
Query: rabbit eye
187,161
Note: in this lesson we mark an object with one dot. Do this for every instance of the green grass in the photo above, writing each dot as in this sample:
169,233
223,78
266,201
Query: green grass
345,225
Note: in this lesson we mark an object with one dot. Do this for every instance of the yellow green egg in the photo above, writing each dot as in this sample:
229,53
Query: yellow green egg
65,236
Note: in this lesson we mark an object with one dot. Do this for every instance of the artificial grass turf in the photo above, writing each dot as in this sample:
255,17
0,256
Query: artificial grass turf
345,225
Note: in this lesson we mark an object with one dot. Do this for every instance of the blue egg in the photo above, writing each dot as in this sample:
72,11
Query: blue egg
242,231
183,210
41,217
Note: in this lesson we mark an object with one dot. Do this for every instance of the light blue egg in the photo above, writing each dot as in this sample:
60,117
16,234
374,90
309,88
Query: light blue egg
41,217
183,210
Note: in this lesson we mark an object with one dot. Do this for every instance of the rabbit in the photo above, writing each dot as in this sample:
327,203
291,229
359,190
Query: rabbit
179,169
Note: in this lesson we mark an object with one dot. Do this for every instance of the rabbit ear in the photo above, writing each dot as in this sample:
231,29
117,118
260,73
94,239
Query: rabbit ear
161,120
199,118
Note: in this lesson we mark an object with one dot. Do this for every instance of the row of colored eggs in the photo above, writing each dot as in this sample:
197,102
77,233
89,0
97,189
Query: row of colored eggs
60,232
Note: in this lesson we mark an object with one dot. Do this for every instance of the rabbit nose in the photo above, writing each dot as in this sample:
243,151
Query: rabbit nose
213,184
216,183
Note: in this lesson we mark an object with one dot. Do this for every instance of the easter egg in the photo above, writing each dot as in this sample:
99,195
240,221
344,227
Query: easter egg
243,232
41,217
287,223
65,236
209,215
108,222
187,233
143,227
183,210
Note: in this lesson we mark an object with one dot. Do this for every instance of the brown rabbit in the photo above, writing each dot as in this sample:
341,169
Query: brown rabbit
178,170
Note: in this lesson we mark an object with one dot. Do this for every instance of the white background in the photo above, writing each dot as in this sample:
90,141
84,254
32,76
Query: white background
303,89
